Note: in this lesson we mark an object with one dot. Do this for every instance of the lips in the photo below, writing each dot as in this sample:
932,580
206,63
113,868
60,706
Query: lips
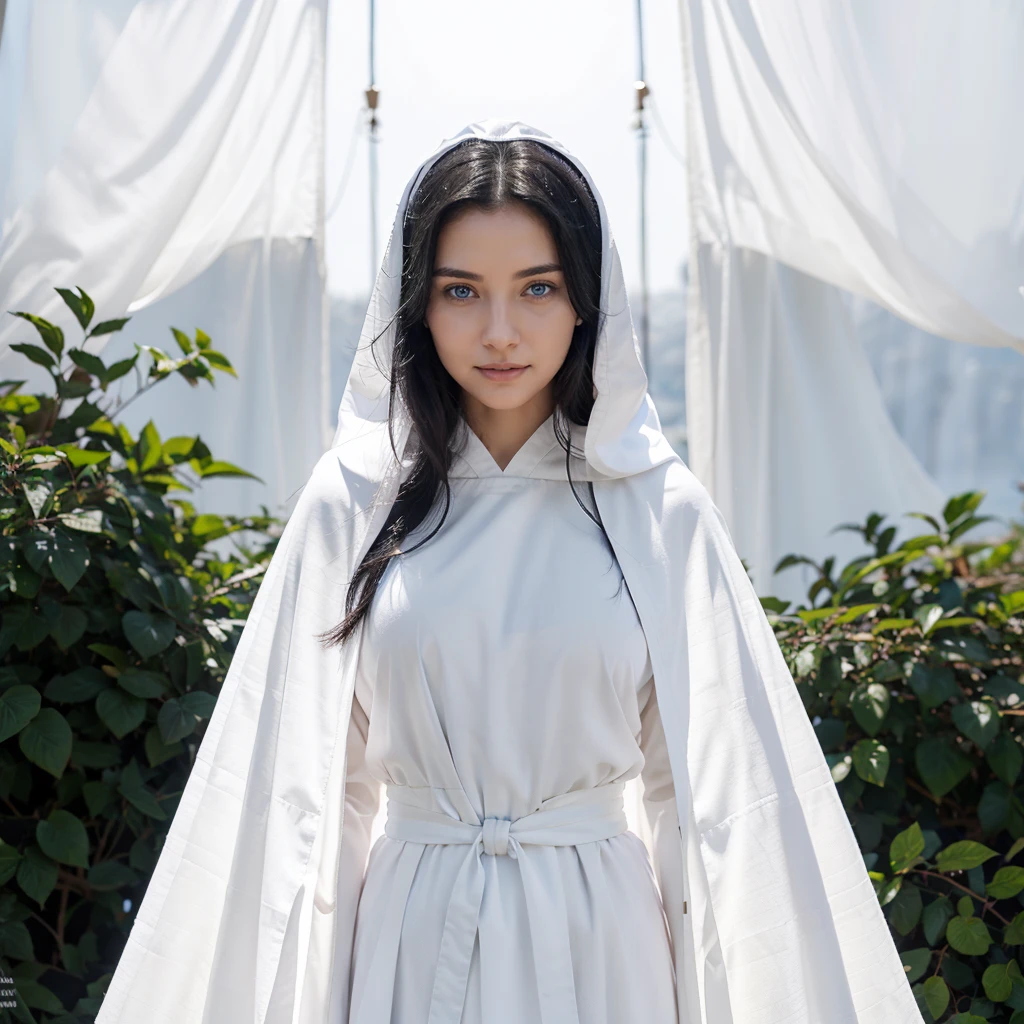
510,373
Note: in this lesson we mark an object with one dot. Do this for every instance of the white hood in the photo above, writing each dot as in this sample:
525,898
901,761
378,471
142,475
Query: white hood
624,434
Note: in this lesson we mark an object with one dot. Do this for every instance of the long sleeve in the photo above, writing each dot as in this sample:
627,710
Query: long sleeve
660,808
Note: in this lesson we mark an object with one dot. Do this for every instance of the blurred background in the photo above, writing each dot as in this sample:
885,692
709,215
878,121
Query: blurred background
846,226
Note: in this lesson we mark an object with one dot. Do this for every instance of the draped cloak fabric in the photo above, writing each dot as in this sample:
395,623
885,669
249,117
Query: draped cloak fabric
250,915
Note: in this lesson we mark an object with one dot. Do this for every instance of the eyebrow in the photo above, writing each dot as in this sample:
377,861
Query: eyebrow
543,268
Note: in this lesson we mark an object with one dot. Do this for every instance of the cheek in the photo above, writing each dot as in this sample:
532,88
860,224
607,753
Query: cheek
453,338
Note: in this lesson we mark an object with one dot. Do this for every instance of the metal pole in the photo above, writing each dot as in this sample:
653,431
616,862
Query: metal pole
641,128
372,97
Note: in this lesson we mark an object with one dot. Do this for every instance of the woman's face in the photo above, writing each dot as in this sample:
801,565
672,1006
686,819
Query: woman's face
498,296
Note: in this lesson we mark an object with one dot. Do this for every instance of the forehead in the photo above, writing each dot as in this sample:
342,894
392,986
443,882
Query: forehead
495,235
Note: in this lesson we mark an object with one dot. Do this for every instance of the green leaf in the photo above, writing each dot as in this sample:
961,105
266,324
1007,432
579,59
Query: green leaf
1007,692
63,838
18,706
216,468
997,982
936,996
108,327
1005,758
114,655
965,648
940,765
112,874
1007,883
142,683
80,685
978,721
88,362
198,702
905,909
86,520
957,973
965,906
219,361
38,494
37,996
969,935
177,448
184,341
995,807
134,790
157,751
915,962
52,335
174,721
117,370
831,732
935,918
870,705
148,633
871,761
150,448
120,711
963,855
98,795
906,848
66,556
9,861
81,305
94,755
37,875
1014,934
16,941
36,354
68,626
46,741
884,624
933,685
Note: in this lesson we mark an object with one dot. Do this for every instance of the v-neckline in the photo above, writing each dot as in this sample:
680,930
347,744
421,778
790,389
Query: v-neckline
523,462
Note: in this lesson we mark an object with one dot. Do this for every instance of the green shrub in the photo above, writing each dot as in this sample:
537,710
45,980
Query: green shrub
911,664
119,622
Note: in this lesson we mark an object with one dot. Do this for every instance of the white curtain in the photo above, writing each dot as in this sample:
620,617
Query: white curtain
167,157
869,147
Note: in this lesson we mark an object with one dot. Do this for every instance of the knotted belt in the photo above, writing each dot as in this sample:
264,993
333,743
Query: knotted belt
581,816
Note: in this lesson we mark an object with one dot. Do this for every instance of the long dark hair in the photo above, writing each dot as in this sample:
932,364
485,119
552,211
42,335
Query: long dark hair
484,174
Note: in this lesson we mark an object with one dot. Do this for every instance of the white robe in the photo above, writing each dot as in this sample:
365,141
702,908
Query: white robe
504,665
249,915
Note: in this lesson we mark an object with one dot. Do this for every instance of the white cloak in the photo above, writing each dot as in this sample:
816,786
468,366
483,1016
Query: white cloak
773,917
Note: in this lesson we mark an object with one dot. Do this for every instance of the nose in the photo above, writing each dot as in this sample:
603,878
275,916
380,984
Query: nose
499,331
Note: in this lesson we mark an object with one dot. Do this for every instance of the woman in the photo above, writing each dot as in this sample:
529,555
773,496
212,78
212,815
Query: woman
498,599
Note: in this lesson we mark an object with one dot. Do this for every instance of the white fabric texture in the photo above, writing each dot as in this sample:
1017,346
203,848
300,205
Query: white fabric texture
814,142
250,913
153,151
481,649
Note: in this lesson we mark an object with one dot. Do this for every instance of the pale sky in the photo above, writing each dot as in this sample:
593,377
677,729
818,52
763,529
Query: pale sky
564,66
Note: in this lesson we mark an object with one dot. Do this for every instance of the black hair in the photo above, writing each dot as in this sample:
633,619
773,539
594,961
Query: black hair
484,174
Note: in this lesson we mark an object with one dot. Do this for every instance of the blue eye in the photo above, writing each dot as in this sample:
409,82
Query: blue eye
541,284
461,298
